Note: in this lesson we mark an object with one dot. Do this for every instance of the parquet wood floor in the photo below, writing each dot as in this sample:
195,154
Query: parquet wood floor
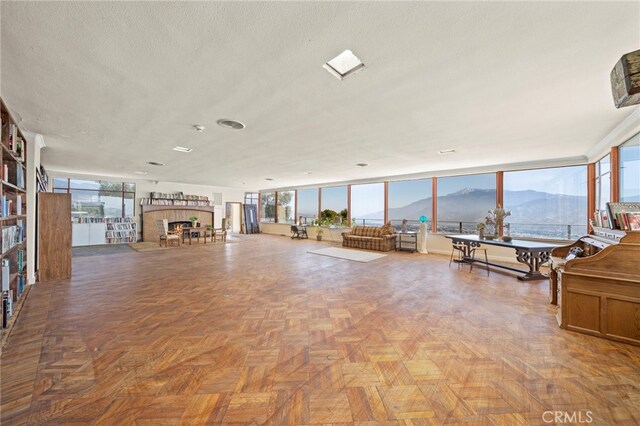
260,332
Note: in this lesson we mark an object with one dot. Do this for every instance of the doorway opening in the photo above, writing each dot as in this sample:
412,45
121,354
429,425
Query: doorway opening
233,215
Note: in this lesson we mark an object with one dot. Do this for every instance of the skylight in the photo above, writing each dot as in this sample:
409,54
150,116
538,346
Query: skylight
344,65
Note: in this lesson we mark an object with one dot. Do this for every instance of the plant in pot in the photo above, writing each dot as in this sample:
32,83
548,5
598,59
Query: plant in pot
318,223
194,221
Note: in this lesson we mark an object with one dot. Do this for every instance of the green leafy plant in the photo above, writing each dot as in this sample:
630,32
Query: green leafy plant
193,218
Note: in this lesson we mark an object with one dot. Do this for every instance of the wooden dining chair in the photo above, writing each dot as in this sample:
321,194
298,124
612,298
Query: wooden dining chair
164,233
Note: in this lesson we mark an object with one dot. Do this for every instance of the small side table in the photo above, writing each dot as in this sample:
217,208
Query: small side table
407,241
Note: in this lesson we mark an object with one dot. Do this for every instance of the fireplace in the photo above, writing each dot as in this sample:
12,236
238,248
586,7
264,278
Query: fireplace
175,216
173,226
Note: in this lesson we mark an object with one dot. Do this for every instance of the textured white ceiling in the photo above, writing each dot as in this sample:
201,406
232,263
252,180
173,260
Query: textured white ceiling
112,85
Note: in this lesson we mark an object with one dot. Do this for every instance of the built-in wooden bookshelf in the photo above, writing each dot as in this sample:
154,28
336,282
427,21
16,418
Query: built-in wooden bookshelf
13,218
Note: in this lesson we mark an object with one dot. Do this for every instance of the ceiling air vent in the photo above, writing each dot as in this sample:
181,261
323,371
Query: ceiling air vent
230,124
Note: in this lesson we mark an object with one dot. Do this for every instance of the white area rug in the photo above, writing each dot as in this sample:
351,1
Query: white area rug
357,255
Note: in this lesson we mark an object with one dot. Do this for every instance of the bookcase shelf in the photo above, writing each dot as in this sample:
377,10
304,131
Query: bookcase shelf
13,252
108,230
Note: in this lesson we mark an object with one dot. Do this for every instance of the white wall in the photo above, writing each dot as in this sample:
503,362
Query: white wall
436,243
145,186
34,143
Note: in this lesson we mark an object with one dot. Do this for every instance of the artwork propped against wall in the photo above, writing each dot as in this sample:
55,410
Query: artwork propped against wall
251,219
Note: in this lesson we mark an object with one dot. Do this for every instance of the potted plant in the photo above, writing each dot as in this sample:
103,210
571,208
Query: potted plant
480,228
319,231
194,221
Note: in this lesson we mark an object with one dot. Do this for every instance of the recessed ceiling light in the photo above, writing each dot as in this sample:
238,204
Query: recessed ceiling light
344,65
140,173
199,128
362,164
230,124
268,178
155,163
446,151
182,149
307,173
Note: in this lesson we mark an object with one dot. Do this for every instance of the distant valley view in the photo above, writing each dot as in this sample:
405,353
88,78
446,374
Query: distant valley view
533,213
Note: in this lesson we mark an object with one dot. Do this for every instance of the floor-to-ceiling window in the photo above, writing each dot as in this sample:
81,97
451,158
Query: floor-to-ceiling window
102,211
98,198
334,201
603,182
410,199
307,205
251,198
464,201
547,203
267,207
367,204
629,153
286,207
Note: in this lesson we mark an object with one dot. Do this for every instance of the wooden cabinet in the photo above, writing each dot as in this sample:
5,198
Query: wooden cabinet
54,236
600,294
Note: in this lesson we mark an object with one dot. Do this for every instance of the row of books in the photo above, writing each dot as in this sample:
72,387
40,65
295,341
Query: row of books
120,234
121,239
168,202
121,226
12,235
103,220
625,221
7,307
19,182
42,179
178,196
6,273
8,207
7,300
16,143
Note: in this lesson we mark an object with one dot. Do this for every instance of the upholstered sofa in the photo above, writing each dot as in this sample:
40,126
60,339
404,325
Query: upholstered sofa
379,238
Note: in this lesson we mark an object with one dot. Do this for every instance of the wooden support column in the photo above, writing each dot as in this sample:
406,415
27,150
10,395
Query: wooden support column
500,196
275,206
259,205
349,204
591,191
615,174
386,201
500,189
434,204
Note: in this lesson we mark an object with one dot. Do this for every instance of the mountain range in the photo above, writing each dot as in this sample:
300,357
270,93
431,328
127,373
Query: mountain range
472,205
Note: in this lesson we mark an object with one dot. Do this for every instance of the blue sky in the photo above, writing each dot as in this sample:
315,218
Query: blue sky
334,198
